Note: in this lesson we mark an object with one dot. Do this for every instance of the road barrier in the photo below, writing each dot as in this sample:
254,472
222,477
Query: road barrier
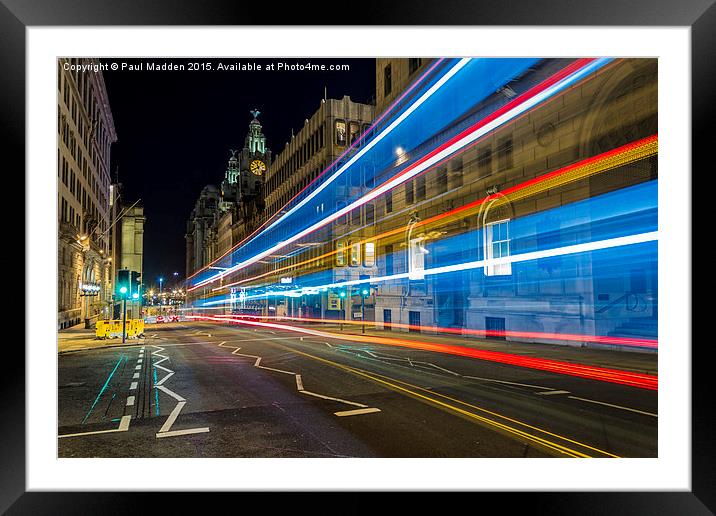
106,329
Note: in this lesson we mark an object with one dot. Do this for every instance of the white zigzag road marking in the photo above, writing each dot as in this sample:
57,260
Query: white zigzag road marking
164,430
299,385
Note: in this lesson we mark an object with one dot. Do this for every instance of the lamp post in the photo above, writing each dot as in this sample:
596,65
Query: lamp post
161,308
342,295
363,293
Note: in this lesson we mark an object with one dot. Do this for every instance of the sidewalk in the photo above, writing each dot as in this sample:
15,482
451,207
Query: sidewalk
635,361
78,339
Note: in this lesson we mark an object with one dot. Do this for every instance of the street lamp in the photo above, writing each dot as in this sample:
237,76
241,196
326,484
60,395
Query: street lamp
161,281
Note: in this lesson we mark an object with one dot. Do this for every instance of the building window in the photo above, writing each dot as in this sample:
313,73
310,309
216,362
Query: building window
369,214
340,254
369,254
484,162
340,133
416,259
504,153
456,172
387,80
353,131
388,260
389,201
409,192
497,245
441,180
413,64
355,255
420,190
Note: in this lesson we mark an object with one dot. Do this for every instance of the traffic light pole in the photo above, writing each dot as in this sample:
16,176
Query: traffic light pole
362,311
124,320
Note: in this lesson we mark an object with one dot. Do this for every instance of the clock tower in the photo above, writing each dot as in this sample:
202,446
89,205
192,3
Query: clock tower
243,182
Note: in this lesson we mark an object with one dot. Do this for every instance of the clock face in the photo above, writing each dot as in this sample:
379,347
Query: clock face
258,167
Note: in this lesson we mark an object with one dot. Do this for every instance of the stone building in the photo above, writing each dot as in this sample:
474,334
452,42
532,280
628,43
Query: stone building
85,132
126,243
324,138
393,76
201,241
615,107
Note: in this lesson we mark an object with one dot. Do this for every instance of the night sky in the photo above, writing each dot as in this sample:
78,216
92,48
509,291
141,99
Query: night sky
175,129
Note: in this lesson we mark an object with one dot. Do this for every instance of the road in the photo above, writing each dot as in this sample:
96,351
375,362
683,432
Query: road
207,390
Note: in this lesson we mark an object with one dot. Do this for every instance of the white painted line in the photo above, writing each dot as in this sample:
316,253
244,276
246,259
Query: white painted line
133,386
172,417
135,375
124,424
505,381
334,399
170,393
549,393
163,368
614,406
356,412
138,368
438,367
222,343
174,433
123,427
277,370
299,382
139,360
130,401
163,379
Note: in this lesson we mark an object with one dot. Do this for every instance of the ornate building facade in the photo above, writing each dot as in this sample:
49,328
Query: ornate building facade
85,132
224,215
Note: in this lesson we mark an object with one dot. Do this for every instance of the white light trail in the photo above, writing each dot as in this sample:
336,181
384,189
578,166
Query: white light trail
435,87
437,157
598,245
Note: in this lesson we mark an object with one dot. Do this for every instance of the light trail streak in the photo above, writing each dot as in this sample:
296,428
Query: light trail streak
511,110
632,379
600,339
355,144
606,161
598,245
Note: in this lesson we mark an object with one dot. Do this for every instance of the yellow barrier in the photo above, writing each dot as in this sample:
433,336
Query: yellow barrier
106,329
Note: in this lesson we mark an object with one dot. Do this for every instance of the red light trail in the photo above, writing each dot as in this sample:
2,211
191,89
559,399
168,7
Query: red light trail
632,379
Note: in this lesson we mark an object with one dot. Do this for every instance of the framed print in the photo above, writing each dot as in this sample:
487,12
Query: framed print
428,263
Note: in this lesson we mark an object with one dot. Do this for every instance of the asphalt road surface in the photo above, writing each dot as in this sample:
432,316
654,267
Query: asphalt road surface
205,390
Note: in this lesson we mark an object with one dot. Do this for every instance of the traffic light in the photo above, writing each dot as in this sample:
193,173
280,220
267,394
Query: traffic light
135,285
123,284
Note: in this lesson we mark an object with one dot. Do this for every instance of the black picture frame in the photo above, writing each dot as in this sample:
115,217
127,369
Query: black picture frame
700,15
